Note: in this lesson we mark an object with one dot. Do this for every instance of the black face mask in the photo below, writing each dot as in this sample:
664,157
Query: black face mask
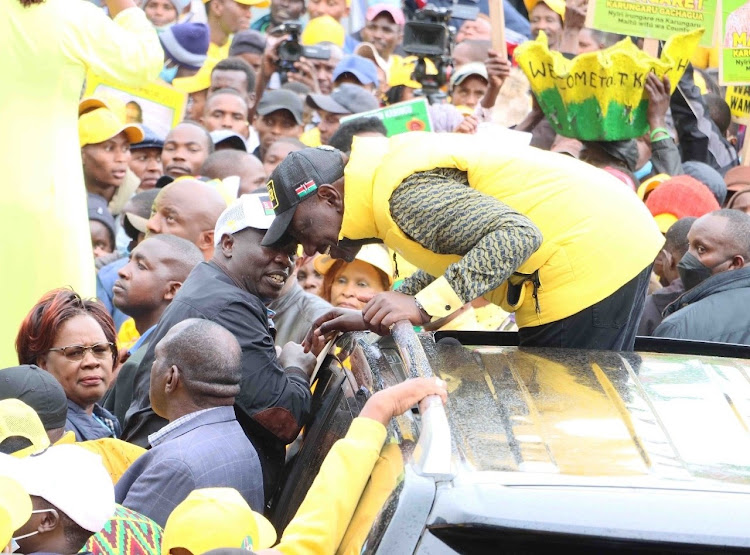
692,271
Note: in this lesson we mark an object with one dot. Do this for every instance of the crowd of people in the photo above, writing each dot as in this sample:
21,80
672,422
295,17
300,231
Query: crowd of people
162,348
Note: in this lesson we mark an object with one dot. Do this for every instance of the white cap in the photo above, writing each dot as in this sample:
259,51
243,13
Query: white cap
253,210
473,68
70,478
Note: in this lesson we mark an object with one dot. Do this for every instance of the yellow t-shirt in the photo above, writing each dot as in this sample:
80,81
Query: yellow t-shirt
128,335
311,137
217,53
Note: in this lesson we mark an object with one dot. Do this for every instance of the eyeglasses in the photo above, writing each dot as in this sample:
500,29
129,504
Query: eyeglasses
77,352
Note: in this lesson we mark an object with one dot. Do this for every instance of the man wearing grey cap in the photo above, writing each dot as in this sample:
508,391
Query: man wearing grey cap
279,114
249,45
145,159
345,100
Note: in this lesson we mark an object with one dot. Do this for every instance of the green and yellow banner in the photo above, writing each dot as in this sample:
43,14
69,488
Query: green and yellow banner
734,35
653,19
599,96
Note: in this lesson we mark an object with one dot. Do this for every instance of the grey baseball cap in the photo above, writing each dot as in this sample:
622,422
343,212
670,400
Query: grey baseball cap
281,99
38,389
247,41
346,99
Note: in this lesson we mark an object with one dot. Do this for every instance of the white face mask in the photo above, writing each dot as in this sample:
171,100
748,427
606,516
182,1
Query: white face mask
14,547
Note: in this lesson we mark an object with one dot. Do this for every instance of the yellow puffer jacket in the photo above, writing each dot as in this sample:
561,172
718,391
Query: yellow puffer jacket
597,234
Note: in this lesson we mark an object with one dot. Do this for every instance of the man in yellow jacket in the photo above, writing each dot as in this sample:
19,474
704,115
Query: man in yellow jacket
561,243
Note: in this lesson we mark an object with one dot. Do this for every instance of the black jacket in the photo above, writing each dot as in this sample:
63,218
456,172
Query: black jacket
714,310
656,304
273,404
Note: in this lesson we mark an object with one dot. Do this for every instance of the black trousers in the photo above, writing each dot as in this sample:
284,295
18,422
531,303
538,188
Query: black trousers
609,325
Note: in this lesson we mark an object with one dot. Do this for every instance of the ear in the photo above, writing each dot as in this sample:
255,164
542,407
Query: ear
226,245
172,288
206,240
173,379
737,262
41,361
330,195
49,521
670,261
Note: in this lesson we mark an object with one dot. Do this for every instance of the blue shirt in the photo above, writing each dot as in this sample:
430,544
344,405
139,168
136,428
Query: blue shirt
141,340
105,279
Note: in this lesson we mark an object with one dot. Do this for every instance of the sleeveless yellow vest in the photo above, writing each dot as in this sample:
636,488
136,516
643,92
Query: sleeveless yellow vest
597,234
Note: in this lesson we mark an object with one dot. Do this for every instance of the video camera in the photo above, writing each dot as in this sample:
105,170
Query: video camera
429,35
291,50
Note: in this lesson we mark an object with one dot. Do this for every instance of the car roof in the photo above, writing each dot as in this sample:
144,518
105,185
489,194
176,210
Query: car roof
596,413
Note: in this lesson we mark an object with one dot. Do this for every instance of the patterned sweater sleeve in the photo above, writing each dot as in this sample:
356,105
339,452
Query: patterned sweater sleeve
440,211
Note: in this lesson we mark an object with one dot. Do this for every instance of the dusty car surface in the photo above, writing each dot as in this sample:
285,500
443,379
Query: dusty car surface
542,449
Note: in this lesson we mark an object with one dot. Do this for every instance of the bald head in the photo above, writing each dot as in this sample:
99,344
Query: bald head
188,208
203,361
224,163
179,255
731,229
471,51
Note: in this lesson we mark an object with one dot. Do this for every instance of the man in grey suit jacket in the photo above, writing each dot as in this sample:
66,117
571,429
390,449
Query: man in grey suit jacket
194,380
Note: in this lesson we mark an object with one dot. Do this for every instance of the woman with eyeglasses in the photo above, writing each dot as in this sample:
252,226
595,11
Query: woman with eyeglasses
74,340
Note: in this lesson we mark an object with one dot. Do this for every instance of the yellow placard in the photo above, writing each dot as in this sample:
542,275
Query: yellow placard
738,98
156,105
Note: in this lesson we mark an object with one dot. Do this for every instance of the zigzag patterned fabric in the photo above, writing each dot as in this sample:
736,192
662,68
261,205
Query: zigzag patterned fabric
126,532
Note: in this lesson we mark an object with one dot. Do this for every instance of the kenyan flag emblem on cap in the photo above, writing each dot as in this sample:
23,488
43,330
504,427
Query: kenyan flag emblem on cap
305,189
267,207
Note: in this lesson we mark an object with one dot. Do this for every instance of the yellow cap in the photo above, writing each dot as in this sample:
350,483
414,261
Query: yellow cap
323,29
211,518
375,254
15,508
557,6
101,124
665,221
102,100
650,184
19,419
401,70
198,82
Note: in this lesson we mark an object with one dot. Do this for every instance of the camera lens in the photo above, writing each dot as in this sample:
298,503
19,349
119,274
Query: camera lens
290,51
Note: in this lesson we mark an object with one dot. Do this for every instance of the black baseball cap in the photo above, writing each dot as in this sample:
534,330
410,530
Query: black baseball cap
38,389
297,178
